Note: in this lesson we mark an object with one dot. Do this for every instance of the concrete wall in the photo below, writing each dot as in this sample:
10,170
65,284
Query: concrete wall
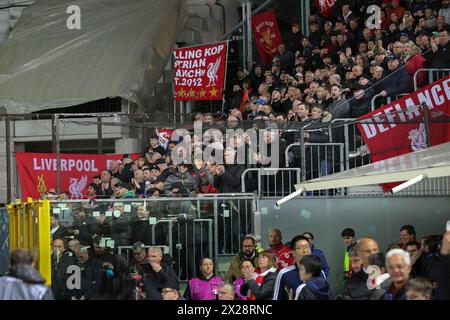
380,218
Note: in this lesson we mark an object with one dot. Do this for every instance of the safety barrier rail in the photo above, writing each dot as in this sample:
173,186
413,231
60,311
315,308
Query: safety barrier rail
29,225
272,182
389,99
433,75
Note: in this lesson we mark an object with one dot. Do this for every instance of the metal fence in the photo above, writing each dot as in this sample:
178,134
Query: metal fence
270,182
317,160
185,228
432,75
379,100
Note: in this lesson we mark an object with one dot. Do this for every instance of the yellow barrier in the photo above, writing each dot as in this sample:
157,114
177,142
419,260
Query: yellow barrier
29,228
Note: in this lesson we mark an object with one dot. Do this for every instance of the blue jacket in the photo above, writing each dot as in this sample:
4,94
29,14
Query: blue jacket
397,81
319,254
315,289
288,278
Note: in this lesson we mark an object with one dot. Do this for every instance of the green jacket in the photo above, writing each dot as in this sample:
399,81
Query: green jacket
128,195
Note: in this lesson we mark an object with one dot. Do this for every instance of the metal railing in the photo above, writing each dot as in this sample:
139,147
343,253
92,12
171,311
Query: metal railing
240,24
185,228
323,153
433,75
271,182
389,99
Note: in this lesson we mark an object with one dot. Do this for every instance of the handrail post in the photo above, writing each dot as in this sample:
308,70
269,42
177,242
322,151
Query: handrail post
372,103
346,144
426,122
303,154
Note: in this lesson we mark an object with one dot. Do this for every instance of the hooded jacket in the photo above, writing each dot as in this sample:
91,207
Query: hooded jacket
24,283
315,289
186,179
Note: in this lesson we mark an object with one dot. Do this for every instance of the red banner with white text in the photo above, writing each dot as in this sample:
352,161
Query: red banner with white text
37,172
199,72
164,136
267,35
398,128
325,7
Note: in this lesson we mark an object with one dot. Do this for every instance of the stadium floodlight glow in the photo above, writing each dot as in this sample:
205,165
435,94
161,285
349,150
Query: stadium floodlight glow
408,183
290,197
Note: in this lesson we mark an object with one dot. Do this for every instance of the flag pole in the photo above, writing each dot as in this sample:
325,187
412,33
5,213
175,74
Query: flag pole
225,77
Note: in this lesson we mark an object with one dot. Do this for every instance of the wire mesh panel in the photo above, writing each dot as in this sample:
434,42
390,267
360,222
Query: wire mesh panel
186,229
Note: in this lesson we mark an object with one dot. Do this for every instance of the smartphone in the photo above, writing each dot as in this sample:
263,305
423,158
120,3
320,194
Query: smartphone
448,226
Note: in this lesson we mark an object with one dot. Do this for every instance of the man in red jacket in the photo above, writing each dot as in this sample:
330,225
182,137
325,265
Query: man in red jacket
281,253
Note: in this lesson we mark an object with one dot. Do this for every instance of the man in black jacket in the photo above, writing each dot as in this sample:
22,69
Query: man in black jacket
141,229
441,57
61,260
114,272
227,178
396,79
23,282
56,231
91,279
157,275
443,280
81,228
317,133
362,102
356,287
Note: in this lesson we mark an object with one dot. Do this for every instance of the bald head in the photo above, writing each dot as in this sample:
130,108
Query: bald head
366,248
274,237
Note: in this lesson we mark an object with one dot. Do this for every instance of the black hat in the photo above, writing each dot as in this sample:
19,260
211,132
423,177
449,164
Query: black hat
122,185
154,167
374,63
392,57
159,179
261,113
151,191
348,232
126,155
180,187
171,284
159,161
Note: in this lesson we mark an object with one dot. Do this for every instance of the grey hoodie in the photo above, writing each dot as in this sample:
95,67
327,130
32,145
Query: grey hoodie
24,283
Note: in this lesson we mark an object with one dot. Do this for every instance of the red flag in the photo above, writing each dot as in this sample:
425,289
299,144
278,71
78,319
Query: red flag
400,136
37,171
164,136
267,35
325,7
199,72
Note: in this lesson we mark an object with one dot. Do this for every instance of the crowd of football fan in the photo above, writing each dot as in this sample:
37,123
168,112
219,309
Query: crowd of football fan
410,269
332,73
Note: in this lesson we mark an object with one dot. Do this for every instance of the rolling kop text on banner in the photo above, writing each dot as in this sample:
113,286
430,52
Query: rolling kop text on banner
200,71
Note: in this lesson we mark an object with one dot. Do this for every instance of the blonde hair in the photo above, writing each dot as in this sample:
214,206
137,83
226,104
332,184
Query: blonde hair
415,49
